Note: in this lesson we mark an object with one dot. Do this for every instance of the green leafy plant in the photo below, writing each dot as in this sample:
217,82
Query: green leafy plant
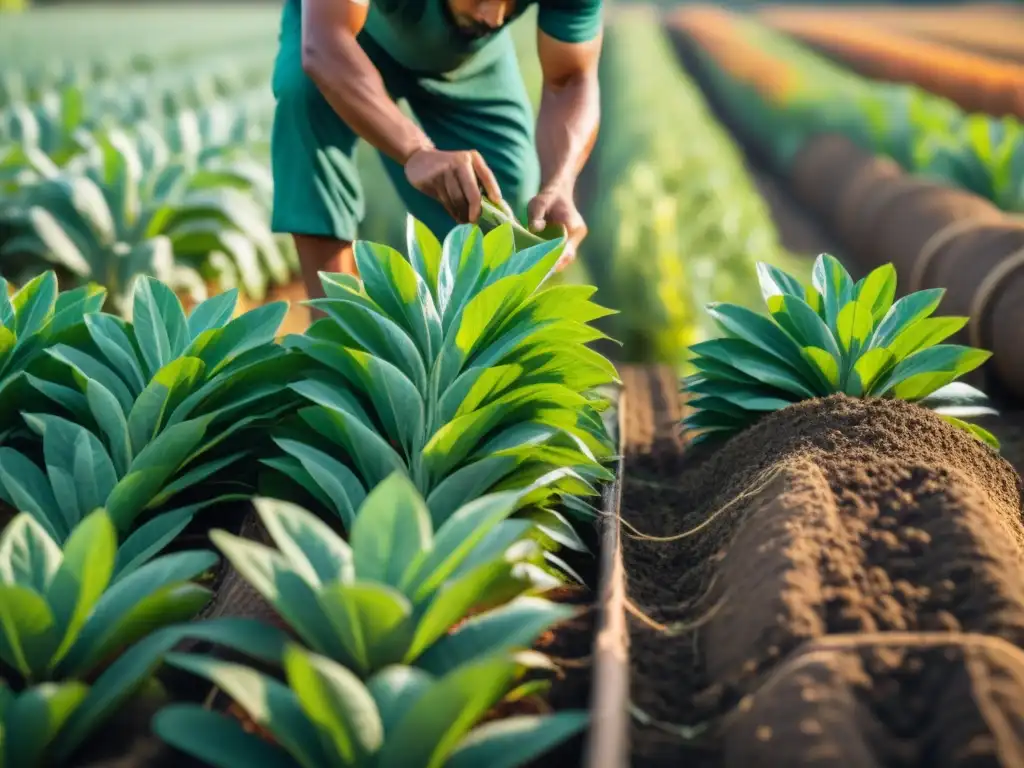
391,593
150,409
34,319
69,612
117,213
455,367
835,335
324,716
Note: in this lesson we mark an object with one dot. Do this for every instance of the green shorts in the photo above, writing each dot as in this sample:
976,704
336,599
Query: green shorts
482,106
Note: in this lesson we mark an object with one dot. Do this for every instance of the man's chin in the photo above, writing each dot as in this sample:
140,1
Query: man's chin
475,33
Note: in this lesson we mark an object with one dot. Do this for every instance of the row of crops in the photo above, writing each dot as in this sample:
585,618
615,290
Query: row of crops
439,442
405,485
791,94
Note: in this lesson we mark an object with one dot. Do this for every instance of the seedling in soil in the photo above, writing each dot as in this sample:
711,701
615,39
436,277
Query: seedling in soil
832,336
325,716
392,593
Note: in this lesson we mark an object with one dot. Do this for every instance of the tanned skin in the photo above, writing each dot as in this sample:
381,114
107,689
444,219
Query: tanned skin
566,127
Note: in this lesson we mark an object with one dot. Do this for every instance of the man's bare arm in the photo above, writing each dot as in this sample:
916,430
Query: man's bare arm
570,109
335,62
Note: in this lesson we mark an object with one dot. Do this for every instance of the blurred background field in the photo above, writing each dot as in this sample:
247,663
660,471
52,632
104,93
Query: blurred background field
134,137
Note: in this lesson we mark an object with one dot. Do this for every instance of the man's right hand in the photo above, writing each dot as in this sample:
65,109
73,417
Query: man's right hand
454,179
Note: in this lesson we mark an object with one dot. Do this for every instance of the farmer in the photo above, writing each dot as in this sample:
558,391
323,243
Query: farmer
343,64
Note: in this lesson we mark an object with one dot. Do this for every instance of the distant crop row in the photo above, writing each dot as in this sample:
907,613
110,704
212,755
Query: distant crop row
676,219
782,94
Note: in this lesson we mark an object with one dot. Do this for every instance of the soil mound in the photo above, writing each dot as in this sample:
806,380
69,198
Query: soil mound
835,518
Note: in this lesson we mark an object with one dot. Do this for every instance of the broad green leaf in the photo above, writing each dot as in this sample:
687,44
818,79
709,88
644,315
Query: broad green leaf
825,363
29,631
270,704
34,719
216,739
395,689
515,741
513,626
293,598
337,703
878,290
30,491
29,557
453,541
83,576
923,334
310,546
923,372
439,719
159,322
391,529
854,325
372,621
112,617
904,313
150,538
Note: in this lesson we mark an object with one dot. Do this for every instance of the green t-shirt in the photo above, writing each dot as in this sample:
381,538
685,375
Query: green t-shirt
420,35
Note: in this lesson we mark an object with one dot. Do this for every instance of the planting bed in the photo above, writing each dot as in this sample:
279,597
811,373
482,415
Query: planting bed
849,589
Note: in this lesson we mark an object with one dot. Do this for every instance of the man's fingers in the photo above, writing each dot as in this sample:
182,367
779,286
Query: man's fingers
456,196
537,212
470,190
487,179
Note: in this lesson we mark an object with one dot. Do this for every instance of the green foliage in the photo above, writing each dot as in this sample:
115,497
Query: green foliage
391,593
673,220
835,335
67,613
926,134
34,319
455,367
150,409
123,208
323,715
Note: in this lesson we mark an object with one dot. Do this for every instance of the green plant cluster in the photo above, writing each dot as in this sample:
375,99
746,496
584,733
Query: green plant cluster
420,457
924,133
834,335
676,215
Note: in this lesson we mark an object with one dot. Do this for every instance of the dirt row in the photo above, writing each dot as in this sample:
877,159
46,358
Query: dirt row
843,585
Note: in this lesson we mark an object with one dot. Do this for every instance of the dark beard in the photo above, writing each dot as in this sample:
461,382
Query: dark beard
474,31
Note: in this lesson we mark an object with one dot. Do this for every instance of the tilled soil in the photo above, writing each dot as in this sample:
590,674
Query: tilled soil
851,591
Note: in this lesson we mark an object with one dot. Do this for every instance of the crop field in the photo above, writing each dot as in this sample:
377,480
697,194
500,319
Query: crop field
739,488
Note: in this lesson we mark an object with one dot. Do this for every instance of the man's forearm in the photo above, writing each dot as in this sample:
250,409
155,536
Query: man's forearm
355,90
567,128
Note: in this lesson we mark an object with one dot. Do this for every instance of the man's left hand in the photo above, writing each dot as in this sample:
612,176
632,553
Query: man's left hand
555,205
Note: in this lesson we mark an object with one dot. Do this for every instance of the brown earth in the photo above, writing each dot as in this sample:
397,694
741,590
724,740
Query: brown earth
825,529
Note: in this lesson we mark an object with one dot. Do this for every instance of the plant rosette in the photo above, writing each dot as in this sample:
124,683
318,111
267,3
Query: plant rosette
324,716
833,336
457,368
150,413
85,627
393,592
33,319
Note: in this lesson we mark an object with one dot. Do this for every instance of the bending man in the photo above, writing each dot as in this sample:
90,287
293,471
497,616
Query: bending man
343,66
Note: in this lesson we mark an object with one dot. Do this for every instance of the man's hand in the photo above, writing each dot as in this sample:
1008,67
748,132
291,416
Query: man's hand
555,205
454,179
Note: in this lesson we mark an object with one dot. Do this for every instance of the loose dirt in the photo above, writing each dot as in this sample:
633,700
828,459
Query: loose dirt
851,593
